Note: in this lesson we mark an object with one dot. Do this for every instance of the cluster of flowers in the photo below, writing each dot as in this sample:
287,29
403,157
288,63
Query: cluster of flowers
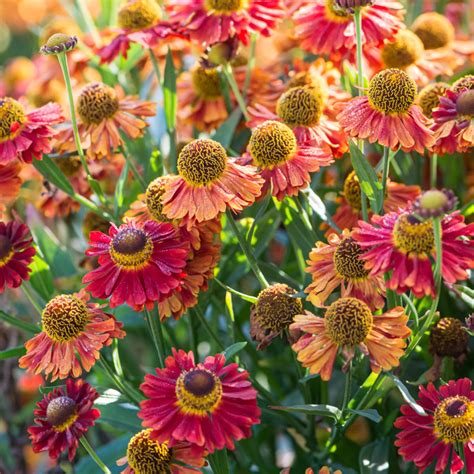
164,249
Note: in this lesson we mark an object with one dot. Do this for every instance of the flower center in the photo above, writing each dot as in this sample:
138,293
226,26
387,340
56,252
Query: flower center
465,82
348,321
139,14
64,318
434,30
412,236
336,13
6,250
271,144
347,260
96,103
131,248
428,98
448,338
351,191
202,161
147,456
12,117
198,391
465,105
61,413
206,83
153,198
392,91
276,308
70,165
300,106
454,419
404,51
224,7
433,199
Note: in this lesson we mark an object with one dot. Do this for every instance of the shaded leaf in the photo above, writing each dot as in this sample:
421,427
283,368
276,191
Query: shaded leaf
407,396
312,409
225,132
31,328
41,278
370,414
219,462
374,458
233,349
13,352
170,99
53,173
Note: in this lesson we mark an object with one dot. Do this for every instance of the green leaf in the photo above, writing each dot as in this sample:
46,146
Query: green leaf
119,196
53,173
225,132
258,216
120,415
170,99
13,352
374,457
467,294
41,278
407,396
370,414
233,349
368,180
312,409
20,324
219,462
318,206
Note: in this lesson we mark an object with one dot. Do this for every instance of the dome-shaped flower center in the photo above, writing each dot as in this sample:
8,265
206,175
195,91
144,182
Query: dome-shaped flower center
225,7
434,30
6,250
336,13
271,144
139,14
64,318
348,321
428,98
206,83
69,165
433,199
202,161
310,79
96,102
411,235
465,105
448,338
347,260
351,191
147,456
465,82
131,248
198,391
300,106
12,117
404,51
392,91
454,419
276,308
61,412
153,197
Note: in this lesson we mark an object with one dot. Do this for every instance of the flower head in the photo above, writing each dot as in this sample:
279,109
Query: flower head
448,338
207,404
62,417
59,43
435,203
428,97
347,324
138,263
16,254
434,30
73,332
448,421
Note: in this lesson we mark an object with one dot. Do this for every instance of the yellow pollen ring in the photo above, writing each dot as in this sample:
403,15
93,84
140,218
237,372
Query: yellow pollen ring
146,455
12,117
225,7
6,250
413,237
335,13
454,419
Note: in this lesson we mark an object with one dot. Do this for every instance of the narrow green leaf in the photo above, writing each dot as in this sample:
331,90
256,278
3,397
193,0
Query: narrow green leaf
312,409
370,414
119,195
258,216
53,173
41,278
374,457
250,299
225,132
170,99
234,349
13,352
20,324
219,462
407,396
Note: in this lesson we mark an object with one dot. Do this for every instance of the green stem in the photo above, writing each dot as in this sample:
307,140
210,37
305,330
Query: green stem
363,203
29,294
433,170
92,207
250,64
156,67
157,335
360,70
202,319
19,323
386,168
133,167
93,455
347,387
228,73
247,251
89,22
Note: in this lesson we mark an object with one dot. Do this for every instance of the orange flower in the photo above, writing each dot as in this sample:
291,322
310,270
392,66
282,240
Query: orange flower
10,183
349,324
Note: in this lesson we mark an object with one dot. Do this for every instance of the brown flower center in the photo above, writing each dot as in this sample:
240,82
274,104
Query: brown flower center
70,165
412,236
139,14
225,7
347,260
6,250
300,106
404,51
202,161
131,248
434,30
454,419
61,413
271,144
348,321
206,83
147,456
153,197
351,191
428,98
465,82
448,338
465,105
97,102
12,117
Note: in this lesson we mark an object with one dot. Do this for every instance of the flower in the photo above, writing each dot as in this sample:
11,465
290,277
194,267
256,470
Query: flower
448,421
273,313
16,254
208,183
349,323
73,332
434,30
207,404
435,203
399,241
454,128
283,163
146,455
309,470
103,113
10,183
62,417
26,135
428,97
338,264
138,263
213,21
323,27
387,114
59,43
448,338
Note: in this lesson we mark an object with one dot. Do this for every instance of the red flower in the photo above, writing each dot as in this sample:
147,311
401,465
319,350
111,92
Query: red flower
208,404
16,253
138,263
63,417
448,421
26,135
